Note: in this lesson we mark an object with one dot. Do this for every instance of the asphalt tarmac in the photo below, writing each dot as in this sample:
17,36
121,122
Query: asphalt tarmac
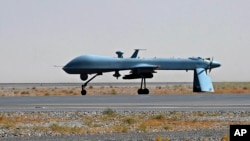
184,102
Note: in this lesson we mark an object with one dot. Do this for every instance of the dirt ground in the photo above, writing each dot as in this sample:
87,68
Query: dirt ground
109,89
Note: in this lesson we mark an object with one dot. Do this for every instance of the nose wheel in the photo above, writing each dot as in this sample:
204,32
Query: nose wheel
84,92
143,90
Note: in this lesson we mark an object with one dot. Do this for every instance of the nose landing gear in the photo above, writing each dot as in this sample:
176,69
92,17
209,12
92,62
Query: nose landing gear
84,92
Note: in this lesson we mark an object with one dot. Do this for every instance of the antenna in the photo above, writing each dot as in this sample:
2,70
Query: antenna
119,54
56,66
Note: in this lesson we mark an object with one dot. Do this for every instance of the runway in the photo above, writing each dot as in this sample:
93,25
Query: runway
188,102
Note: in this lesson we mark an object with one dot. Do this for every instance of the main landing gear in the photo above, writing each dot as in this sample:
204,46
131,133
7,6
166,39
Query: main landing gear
84,92
145,90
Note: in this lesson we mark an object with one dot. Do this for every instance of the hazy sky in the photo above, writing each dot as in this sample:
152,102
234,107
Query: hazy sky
35,35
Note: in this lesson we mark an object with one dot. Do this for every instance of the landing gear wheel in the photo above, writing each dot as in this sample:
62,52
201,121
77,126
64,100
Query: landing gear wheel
143,91
83,92
140,91
143,84
146,91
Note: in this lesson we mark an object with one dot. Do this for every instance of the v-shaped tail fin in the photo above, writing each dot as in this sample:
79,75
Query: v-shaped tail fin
202,82
135,54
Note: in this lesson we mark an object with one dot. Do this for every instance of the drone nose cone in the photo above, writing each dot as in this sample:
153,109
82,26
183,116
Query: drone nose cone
65,68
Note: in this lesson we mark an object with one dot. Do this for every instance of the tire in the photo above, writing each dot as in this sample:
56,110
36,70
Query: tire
145,91
140,91
83,92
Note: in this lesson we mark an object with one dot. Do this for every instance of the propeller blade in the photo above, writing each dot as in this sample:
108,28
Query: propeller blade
210,65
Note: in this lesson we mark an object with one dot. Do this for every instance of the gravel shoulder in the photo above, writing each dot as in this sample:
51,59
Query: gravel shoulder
119,125
192,135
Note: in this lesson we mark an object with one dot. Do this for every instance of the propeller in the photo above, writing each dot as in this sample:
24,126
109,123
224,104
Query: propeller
210,64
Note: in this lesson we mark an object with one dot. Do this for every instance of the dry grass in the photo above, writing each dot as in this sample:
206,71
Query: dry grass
109,112
110,122
65,129
232,87
129,120
225,137
220,88
120,129
159,138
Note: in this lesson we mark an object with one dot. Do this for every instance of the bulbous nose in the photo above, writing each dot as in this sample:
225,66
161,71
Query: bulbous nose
66,68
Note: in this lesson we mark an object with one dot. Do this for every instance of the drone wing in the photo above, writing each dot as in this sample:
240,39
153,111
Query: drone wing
145,67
